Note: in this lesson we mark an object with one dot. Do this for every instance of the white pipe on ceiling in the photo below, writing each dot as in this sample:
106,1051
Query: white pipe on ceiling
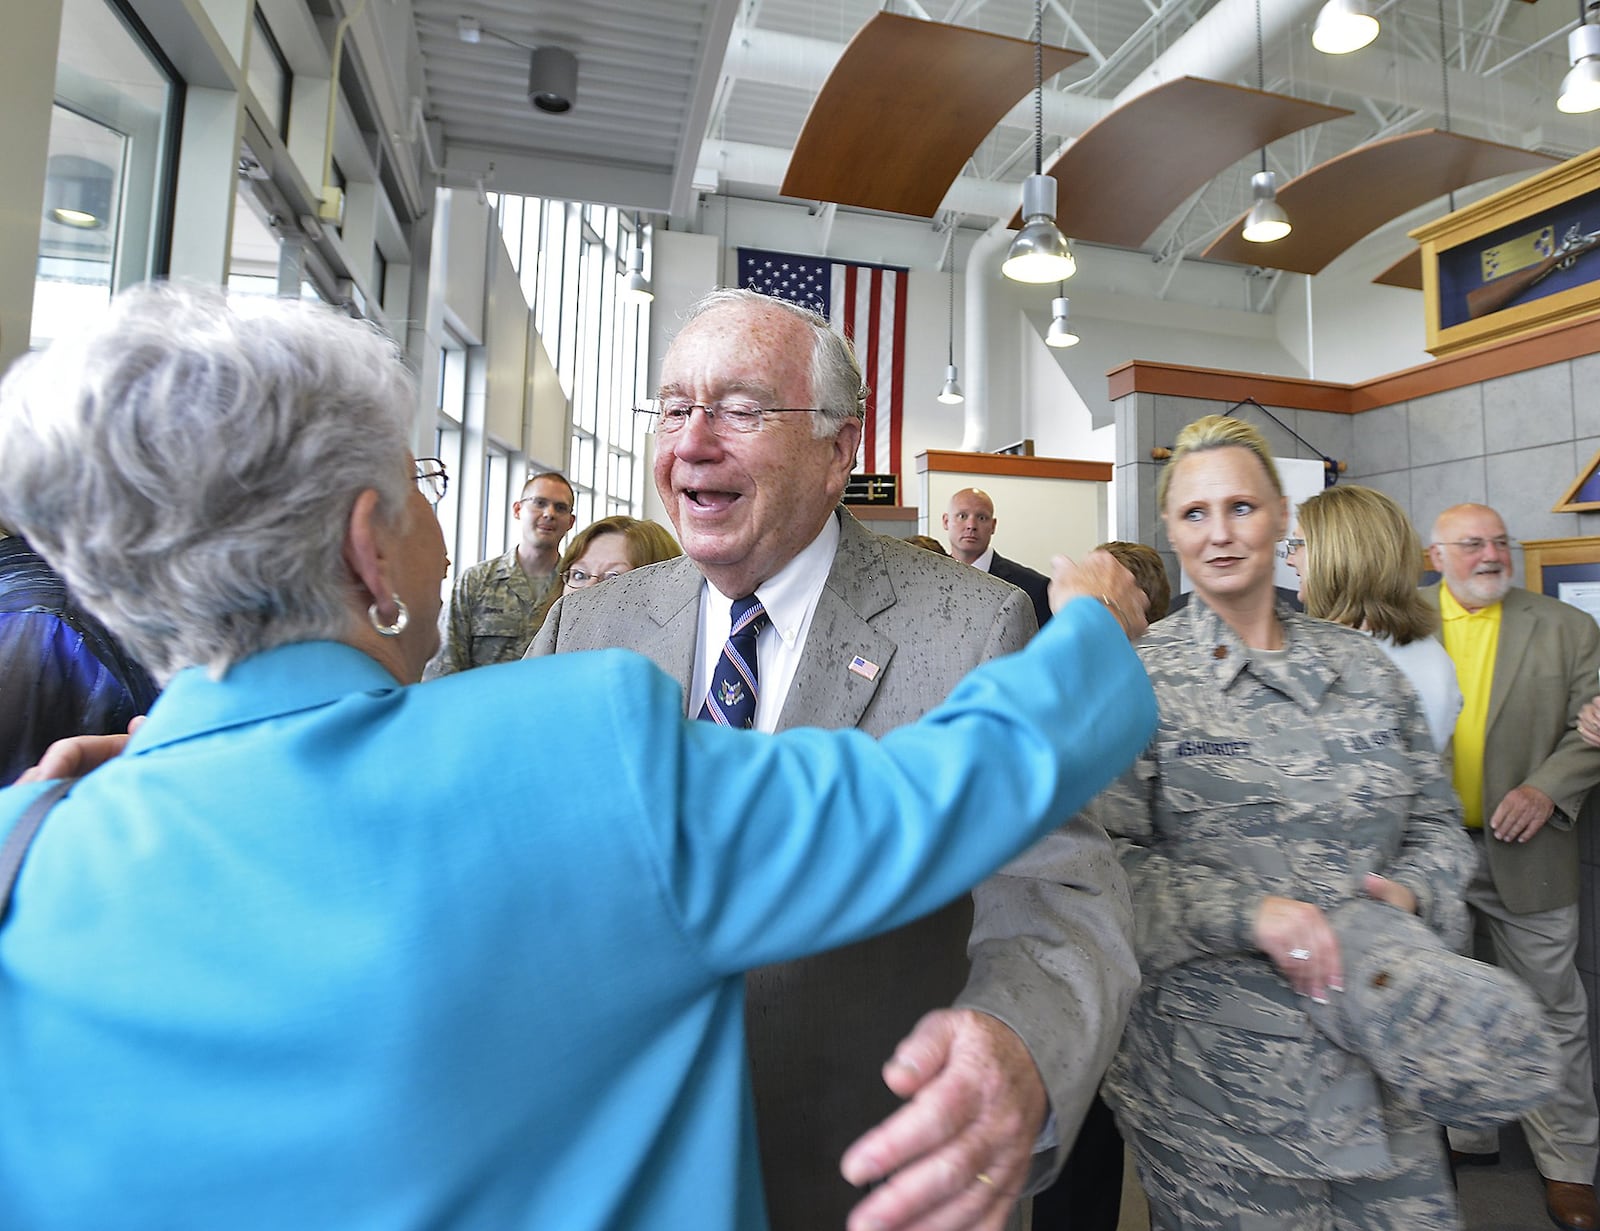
1221,46
804,63
983,271
765,165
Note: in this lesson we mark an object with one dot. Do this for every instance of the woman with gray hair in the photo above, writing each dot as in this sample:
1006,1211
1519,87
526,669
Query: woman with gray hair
324,950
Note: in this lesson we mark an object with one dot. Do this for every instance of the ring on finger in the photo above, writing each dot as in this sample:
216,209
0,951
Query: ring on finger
984,1179
1300,955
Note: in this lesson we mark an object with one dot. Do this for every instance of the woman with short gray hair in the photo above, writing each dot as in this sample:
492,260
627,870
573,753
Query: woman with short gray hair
219,455
323,949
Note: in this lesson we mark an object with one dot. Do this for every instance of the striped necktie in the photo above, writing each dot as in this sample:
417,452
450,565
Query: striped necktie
731,700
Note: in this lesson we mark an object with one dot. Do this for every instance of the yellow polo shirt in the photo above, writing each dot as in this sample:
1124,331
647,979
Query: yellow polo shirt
1471,639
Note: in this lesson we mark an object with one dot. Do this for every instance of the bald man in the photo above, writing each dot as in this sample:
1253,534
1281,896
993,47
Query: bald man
1526,665
970,522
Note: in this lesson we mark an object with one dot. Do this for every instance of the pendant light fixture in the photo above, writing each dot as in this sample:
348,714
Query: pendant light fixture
1344,26
1266,220
951,393
1580,88
1040,252
1060,333
636,289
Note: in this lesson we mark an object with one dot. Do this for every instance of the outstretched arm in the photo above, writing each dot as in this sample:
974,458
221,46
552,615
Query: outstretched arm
1053,975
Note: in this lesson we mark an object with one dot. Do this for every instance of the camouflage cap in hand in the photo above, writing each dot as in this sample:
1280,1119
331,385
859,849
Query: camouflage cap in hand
1464,1041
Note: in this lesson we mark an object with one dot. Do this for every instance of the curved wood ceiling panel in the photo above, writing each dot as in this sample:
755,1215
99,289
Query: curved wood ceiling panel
1334,205
903,110
1126,174
1405,273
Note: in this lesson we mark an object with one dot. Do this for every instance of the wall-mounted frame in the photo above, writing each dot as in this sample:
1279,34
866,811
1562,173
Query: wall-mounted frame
1583,496
1525,258
1565,569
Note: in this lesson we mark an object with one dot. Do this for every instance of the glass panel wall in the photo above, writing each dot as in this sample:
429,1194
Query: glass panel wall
269,76
570,260
108,175
451,402
253,256
497,504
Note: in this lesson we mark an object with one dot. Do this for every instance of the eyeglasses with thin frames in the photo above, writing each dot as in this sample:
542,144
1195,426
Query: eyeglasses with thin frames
727,418
543,504
433,480
577,579
1472,546
1290,545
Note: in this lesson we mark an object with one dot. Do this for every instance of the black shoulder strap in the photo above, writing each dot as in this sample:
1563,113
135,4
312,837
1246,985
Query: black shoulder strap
15,848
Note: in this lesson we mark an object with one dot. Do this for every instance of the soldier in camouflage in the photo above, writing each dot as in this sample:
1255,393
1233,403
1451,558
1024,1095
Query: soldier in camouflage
1292,772
490,617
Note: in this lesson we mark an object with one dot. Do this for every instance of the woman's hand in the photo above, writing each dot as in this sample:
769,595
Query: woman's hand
78,754
1296,936
1100,575
1392,892
1589,723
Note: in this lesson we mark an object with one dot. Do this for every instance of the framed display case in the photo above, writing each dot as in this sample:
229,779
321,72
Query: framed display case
1520,260
1565,569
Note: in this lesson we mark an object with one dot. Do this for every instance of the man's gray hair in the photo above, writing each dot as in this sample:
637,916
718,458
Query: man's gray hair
836,384
190,468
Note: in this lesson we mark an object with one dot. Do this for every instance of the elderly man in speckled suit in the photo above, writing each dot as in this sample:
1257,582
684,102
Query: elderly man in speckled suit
855,629
1292,773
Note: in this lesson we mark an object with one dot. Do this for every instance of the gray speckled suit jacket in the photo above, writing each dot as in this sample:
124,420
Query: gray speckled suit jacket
1050,935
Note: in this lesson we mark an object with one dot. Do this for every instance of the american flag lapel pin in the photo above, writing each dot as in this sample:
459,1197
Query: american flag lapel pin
866,670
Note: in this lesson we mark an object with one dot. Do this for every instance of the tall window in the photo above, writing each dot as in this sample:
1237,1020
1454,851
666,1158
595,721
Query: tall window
253,256
269,76
448,436
108,175
570,259
497,500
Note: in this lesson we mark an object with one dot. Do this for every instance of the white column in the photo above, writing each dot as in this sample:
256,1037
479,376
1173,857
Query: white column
28,71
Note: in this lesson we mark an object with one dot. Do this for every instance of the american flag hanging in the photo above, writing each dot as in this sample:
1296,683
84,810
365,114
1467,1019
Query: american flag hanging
867,305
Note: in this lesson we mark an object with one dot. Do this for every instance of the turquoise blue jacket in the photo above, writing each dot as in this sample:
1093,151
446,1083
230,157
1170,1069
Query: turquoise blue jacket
321,951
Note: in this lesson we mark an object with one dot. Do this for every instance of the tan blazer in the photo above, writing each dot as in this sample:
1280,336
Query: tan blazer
1544,672
1052,952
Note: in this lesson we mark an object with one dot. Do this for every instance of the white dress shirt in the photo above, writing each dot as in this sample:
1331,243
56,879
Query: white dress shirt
790,599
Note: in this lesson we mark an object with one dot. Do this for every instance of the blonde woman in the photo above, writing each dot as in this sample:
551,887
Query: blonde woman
1292,773
1359,560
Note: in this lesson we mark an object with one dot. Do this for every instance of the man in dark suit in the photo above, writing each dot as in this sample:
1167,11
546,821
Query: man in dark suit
970,522
863,630
1526,665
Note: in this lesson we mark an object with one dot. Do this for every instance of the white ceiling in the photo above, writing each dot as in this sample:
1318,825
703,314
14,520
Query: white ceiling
678,97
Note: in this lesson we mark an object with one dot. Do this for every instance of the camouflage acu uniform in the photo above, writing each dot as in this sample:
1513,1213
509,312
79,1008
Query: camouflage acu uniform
1295,778
489,618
